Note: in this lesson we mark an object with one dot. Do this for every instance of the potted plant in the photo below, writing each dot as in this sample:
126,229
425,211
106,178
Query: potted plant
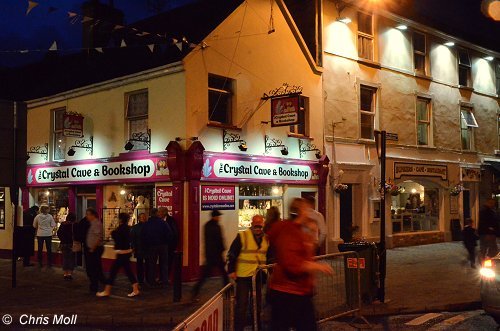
340,187
455,190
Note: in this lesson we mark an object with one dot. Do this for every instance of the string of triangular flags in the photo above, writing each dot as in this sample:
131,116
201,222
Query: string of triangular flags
78,18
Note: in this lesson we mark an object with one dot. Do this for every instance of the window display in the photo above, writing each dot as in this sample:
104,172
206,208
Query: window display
58,202
133,200
256,200
415,209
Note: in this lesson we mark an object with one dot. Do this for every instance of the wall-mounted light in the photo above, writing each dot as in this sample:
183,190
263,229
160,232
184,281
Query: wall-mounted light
345,20
449,44
489,58
40,150
88,145
272,143
122,192
228,138
141,137
402,27
305,147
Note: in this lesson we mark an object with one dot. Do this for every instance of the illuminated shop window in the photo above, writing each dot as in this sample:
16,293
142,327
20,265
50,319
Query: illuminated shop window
367,104
467,125
464,68
302,128
365,36
423,121
220,99
256,200
58,139
136,109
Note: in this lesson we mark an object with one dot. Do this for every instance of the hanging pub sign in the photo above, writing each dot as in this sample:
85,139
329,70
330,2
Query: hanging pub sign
73,125
285,111
470,174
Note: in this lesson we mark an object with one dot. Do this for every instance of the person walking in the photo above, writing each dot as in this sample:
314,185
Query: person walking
247,252
470,238
155,237
291,284
174,237
138,247
214,247
488,230
44,224
93,250
273,216
319,219
123,250
28,248
66,234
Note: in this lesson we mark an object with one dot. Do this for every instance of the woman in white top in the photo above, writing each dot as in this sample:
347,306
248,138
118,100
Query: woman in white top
44,224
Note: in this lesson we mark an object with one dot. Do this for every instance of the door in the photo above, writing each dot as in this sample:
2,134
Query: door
466,204
346,214
83,202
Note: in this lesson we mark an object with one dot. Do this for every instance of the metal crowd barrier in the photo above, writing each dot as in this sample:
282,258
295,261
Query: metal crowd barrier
205,319
335,295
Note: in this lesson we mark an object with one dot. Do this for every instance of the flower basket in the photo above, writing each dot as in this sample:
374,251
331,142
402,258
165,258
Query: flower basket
455,190
340,187
395,190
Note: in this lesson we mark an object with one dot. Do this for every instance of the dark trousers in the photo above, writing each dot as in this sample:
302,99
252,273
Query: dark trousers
244,296
157,253
171,258
48,246
471,250
488,246
68,257
292,311
94,268
140,266
206,272
121,261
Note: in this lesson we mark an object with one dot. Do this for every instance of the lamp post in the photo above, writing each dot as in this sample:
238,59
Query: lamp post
380,141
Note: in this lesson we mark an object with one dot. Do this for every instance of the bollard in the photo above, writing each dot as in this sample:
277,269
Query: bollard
177,276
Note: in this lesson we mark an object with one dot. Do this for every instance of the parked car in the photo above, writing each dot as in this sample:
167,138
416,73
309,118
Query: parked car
490,287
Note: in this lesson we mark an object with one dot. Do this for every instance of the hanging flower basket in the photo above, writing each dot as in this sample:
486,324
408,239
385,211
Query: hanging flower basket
396,190
455,190
387,188
340,187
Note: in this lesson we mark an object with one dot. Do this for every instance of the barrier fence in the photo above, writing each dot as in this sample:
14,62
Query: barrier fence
217,314
335,295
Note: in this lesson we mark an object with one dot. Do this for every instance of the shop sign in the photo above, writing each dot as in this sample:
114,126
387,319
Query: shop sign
165,198
470,174
415,169
73,125
153,169
234,169
218,197
285,111
208,318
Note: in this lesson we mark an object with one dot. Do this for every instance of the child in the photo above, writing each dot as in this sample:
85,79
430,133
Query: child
470,241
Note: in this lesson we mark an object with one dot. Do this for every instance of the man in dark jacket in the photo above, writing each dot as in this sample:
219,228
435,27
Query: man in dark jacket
214,247
174,236
28,235
470,241
155,237
138,247
488,230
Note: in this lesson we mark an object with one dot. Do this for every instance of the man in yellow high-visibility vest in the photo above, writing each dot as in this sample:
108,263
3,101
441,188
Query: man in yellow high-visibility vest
246,253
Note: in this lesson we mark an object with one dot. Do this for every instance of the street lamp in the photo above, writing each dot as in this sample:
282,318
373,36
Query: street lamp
380,142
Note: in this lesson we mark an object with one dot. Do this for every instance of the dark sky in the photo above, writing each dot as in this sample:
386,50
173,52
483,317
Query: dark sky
42,26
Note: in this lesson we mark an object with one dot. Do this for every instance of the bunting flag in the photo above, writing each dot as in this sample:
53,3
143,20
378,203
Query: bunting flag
174,41
99,49
191,45
179,45
118,27
53,47
31,5
71,14
151,47
86,19
123,44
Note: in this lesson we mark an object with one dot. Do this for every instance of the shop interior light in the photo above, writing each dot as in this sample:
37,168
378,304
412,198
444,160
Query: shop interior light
276,191
47,193
122,192
489,58
402,27
413,191
449,44
345,20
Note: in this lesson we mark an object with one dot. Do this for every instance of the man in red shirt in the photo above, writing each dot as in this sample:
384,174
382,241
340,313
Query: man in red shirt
292,281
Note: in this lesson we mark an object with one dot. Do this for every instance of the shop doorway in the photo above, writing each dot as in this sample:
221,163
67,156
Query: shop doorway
466,204
345,197
83,202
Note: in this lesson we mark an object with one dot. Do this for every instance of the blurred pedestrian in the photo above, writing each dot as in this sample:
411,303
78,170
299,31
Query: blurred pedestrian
470,238
138,247
247,252
93,250
488,230
123,251
28,248
44,224
291,284
155,238
214,247
273,216
66,233
174,236
319,219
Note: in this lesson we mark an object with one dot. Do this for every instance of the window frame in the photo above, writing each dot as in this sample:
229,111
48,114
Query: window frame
361,35
424,54
373,113
468,128
303,118
229,90
138,146
428,122
54,132
464,66
497,74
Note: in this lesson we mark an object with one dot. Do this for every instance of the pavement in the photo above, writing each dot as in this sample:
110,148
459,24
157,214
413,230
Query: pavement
420,279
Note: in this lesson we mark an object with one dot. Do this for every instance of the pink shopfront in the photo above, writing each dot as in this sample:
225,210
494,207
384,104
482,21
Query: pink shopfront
132,183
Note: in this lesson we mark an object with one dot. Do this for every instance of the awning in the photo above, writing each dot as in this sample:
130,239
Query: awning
495,165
